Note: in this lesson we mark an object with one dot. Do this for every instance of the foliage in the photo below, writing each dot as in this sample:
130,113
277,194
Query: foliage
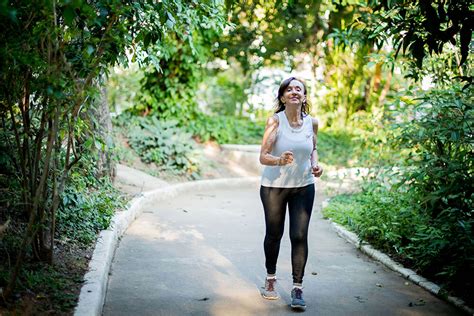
318,35
226,129
426,217
169,91
161,142
385,217
440,140
226,92
391,217
358,75
365,141
87,205
353,84
348,148
420,27
268,32
42,283
52,57
122,87
168,88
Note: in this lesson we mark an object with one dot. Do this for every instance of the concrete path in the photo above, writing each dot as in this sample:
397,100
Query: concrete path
133,181
202,254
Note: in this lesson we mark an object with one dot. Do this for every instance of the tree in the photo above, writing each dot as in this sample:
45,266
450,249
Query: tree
422,27
291,32
269,32
52,56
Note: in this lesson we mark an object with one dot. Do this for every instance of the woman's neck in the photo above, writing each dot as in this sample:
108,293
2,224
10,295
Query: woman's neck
293,114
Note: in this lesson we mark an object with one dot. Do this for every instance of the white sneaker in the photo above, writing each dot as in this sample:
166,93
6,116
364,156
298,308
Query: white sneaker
270,292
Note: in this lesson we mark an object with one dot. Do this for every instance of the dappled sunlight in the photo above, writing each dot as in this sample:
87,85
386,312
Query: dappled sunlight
153,230
237,169
243,163
218,286
231,293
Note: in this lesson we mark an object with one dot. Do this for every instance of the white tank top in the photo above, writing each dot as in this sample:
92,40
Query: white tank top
300,142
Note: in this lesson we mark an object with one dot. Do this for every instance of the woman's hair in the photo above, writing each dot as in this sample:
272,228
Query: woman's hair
280,106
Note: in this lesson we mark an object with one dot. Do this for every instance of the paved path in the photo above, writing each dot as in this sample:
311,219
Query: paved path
202,254
133,181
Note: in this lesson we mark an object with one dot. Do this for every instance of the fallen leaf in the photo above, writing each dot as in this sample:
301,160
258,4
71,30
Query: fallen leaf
203,299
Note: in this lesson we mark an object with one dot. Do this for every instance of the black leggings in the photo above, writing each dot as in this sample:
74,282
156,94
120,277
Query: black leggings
300,205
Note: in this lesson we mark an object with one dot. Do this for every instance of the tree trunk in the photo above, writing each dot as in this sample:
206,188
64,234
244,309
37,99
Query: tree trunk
105,163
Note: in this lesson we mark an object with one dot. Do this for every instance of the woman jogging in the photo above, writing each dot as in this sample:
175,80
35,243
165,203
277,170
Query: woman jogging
289,154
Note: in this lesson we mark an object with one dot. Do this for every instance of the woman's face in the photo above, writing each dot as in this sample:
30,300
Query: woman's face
294,93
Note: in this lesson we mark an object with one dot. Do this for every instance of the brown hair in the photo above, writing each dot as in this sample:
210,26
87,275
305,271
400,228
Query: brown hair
280,106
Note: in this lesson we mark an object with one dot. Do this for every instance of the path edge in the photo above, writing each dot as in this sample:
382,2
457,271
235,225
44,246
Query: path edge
395,266
92,296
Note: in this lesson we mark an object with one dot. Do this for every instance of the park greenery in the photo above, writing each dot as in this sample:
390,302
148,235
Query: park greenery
390,81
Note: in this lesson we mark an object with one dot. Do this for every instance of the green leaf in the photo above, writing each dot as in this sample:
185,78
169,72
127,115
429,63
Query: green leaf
90,49
69,15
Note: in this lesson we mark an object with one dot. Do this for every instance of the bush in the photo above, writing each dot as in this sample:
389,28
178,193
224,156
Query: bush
385,217
226,129
337,148
87,207
440,141
163,143
346,147
426,218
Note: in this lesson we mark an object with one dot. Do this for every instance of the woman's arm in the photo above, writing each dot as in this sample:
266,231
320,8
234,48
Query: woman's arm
316,169
269,138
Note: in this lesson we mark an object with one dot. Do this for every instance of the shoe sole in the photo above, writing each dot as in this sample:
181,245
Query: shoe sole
298,307
270,297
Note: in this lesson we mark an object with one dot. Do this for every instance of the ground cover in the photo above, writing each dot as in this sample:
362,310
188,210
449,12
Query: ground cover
392,220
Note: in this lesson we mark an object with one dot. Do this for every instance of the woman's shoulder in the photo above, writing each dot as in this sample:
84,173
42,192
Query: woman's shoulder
273,120
272,123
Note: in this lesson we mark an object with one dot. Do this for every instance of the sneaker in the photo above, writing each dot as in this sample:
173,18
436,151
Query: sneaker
269,292
297,301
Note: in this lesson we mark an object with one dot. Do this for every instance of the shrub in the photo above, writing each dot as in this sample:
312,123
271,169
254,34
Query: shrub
226,129
393,220
163,143
440,141
427,217
385,217
88,204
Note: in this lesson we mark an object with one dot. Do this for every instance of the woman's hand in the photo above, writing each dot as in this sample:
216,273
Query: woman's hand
286,158
317,170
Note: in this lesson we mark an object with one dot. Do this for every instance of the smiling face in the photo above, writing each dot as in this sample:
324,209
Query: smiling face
294,93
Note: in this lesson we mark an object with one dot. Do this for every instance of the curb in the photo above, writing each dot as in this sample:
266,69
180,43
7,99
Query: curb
92,296
245,148
388,262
